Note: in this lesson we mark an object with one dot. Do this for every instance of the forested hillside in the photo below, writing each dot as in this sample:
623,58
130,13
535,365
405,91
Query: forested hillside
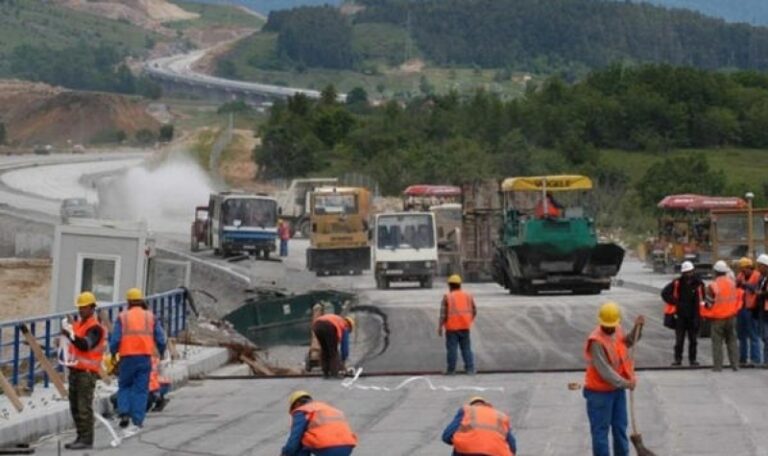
751,11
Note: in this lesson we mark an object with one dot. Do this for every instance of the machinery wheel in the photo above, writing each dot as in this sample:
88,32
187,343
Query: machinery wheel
217,252
426,282
265,252
195,244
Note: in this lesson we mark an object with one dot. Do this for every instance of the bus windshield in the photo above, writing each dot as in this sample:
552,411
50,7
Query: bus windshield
248,212
401,231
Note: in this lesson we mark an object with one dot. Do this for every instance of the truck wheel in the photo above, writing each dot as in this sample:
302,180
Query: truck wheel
266,254
216,251
426,282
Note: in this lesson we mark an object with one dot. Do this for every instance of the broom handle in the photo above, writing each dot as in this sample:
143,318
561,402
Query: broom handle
632,419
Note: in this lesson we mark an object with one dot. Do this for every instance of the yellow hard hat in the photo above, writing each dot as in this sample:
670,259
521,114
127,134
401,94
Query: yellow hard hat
134,294
745,262
85,299
351,321
455,279
609,315
295,396
474,399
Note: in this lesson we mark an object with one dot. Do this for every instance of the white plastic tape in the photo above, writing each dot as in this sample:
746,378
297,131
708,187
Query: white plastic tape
64,356
351,383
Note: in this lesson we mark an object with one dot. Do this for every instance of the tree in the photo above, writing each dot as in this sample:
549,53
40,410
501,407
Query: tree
288,151
226,69
690,174
166,133
329,95
3,134
357,96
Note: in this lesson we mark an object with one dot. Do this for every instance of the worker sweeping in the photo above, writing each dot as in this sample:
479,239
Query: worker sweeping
610,372
87,343
136,335
332,332
457,313
721,307
479,429
317,428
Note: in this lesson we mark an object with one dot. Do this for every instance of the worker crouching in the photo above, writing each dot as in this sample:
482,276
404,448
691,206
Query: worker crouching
480,429
332,332
317,428
610,372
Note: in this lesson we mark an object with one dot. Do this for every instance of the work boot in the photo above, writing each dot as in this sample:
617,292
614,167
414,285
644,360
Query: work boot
125,420
78,445
131,431
693,363
677,363
449,372
160,404
471,372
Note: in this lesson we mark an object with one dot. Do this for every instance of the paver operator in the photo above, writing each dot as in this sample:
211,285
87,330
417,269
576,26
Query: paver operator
332,331
136,336
457,313
317,428
88,340
479,429
610,372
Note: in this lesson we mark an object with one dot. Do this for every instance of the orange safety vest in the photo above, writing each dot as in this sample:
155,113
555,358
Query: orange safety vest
460,314
89,360
552,210
155,379
138,332
618,358
671,308
750,298
337,321
483,430
727,303
327,427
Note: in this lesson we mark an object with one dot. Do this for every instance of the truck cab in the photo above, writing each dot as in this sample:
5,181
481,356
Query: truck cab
294,202
404,248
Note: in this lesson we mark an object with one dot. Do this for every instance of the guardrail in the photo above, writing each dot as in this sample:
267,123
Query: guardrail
17,360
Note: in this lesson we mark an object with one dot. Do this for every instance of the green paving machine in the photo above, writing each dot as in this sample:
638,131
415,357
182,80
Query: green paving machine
545,245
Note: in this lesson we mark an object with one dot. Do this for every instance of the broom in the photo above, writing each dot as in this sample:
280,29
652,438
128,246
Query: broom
635,437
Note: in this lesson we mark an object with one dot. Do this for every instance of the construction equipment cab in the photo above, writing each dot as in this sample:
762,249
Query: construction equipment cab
548,242
294,202
338,241
405,248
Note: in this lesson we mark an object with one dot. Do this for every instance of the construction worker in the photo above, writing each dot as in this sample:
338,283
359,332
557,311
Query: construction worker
136,335
610,371
480,429
761,302
683,297
722,305
547,207
88,339
284,232
457,313
317,428
332,331
748,319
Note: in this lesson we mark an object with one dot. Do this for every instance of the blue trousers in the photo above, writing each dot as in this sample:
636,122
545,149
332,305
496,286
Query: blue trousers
608,412
133,387
334,451
749,337
283,247
454,340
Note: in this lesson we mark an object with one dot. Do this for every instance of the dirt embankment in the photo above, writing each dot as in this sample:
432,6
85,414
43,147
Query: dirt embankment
26,287
36,113
148,14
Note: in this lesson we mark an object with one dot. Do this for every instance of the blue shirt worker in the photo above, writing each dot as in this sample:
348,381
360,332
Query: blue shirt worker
317,428
135,337
478,429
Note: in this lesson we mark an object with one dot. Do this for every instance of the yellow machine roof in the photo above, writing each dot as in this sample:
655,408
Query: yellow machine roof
564,183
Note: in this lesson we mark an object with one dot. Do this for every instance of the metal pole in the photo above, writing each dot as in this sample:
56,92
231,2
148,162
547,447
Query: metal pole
750,228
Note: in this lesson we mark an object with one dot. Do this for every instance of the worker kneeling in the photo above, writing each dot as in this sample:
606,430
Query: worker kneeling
479,429
317,428
610,371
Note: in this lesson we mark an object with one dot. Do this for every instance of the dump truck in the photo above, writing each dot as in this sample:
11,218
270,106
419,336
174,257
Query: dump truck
294,202
545,245
235,223
339,232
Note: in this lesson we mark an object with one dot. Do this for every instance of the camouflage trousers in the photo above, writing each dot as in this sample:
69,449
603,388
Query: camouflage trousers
81,386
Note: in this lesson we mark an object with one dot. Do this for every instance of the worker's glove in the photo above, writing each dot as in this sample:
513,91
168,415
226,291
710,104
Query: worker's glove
67,329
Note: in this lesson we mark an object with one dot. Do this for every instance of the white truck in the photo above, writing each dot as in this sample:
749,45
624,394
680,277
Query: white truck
294,202
404,248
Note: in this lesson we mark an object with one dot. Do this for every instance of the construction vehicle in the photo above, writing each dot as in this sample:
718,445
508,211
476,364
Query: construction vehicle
234,223
294,202
729,233
448,221
423,197
339,239
543,248
684,232
405,249
476,240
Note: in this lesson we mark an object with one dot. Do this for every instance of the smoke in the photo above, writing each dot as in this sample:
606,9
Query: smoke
164,197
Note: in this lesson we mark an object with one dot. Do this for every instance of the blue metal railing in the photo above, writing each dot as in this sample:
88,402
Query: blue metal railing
17,360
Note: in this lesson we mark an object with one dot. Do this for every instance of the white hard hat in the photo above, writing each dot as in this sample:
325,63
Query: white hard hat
687,266
721,266
763,259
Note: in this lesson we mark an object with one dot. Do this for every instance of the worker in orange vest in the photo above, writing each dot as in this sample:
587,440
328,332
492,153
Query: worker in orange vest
159,386
547,207
88,339
610,371
457,313
136,335
683,297
332,332
722,305
748,319
317,428
480,429
284,233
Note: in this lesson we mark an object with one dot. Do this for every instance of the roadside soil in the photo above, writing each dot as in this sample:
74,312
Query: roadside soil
26,287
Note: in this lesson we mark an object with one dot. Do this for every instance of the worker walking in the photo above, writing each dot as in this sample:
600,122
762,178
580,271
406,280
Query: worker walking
748,319
136,336
480,429
332,332
317,428
88,339
684,297
722,305
610,371
457,313
284,233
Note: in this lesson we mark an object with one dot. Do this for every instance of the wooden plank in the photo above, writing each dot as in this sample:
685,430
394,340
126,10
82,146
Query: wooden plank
257,366
10,393
53,374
